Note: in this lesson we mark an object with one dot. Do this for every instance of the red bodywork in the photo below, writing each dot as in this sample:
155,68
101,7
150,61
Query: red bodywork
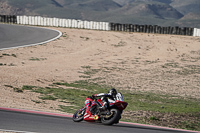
121,105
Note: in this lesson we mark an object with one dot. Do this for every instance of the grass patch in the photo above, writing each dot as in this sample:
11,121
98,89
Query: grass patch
79,90
37,59
162,103
89,70
36,101
28,87
189,69
4,54
48,97
137,100
154,118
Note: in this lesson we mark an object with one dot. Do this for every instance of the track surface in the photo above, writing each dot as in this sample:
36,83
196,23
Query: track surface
20,36
11,120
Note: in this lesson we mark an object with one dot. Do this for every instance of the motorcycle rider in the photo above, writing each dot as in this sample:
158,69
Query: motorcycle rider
106,98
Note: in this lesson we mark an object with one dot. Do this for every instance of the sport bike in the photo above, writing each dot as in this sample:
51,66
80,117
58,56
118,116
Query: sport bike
91,111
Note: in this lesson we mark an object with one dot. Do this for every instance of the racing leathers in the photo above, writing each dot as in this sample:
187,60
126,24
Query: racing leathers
106,99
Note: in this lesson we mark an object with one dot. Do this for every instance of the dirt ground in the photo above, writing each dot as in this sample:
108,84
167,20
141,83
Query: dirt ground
167,64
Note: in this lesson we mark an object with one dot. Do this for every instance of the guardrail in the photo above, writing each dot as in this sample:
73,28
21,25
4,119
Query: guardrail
73,23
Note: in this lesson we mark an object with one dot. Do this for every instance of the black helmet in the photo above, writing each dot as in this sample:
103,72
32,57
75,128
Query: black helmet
113,92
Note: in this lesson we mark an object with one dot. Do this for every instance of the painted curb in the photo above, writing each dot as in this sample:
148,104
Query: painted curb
70,116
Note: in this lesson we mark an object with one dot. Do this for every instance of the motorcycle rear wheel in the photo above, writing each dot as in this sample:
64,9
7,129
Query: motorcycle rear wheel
112,118
79,115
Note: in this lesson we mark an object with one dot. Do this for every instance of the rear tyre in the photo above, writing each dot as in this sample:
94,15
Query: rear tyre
79,115
112,118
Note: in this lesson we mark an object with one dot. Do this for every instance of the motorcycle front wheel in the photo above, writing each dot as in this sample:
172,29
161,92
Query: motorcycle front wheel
111,118
79,115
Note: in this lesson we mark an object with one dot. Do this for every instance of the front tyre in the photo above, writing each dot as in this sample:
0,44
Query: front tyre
112,118
79,115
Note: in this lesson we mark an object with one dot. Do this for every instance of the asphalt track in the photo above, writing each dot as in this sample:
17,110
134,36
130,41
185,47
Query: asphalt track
43,122
14,36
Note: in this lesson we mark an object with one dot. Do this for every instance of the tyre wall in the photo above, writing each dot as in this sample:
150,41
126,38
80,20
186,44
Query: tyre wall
8,19
152,29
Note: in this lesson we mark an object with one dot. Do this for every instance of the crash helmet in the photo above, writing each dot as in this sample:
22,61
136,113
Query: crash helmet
113,92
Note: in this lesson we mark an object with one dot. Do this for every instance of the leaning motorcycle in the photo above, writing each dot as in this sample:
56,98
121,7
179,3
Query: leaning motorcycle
91,112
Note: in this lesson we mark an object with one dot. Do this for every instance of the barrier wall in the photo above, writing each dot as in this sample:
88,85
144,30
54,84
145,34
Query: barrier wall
72,23
57,22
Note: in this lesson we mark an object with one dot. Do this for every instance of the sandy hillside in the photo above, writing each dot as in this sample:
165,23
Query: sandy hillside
134,61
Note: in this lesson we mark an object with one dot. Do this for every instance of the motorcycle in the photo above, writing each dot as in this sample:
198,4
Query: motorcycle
91,111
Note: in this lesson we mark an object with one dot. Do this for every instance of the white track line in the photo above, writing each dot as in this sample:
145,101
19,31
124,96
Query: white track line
15,131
